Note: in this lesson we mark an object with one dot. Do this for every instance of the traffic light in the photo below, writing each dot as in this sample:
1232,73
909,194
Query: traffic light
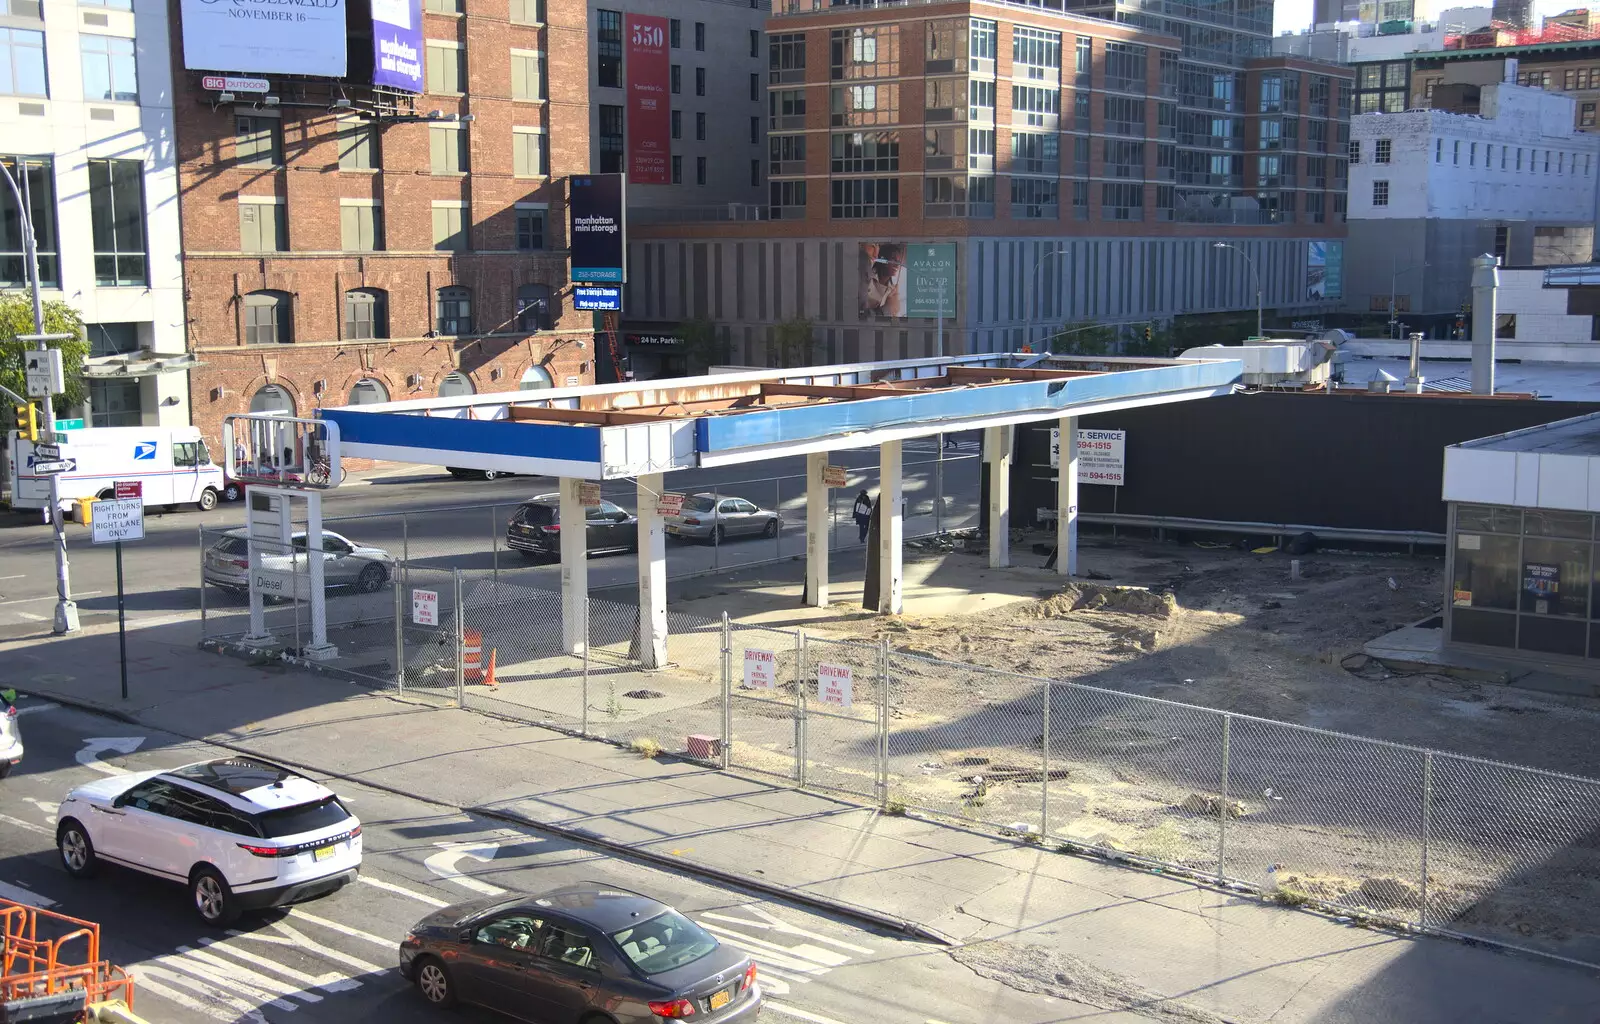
27,421
1149,332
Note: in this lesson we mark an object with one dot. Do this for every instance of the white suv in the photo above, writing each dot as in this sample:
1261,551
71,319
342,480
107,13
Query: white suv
242,834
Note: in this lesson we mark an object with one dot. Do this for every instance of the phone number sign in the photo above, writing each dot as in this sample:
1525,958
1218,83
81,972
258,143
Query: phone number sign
1102,455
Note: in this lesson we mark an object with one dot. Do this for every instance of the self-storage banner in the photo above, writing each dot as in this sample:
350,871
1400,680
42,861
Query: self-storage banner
397,44
649,109
598,230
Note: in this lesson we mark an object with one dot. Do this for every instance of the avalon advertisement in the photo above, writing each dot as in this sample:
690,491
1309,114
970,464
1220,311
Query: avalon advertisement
268,37
901,280
397,44
598,234
1325,270
649,108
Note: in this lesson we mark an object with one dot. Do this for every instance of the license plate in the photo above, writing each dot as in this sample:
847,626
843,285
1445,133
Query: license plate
720,999
672,529
323,853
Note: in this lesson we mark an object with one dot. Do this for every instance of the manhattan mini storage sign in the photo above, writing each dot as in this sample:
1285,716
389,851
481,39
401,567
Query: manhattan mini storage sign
599,228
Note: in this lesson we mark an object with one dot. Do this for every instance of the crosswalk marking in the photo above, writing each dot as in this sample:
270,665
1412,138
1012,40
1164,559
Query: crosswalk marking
230,980
297,940
328,981
27,897
343,929
781,955
420,897
168,984
775,923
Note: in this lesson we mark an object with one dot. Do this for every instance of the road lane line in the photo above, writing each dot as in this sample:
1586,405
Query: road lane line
392,945
30,616
43,705
52,597
328,981
802,1014
27,897
421,897
299,941
145,981
272,986
30,826
23,576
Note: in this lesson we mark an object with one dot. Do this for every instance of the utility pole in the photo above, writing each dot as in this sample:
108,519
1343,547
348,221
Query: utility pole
66,616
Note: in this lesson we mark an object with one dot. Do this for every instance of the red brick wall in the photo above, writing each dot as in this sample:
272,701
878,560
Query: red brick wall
316,273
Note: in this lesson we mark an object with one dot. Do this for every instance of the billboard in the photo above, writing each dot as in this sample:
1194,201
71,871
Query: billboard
1325,270
649,108
265,36
397,44
900,280
598,235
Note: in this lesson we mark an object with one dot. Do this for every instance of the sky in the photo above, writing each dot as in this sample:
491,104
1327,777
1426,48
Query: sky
1294,15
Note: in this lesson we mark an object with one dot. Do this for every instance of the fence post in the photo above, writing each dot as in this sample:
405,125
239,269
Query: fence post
583,715
461,643
1427,828
883,725
938,489
1222,805
201,531
405,546
1044,772
294,587
727,692
800,708
399,635
494,539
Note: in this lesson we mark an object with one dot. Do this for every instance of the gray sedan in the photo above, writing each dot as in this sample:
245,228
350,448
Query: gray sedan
344,564
710,517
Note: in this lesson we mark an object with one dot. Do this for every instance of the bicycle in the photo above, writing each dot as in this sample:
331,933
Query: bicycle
319,473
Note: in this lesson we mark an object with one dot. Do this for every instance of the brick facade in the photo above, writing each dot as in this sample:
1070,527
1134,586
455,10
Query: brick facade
318,364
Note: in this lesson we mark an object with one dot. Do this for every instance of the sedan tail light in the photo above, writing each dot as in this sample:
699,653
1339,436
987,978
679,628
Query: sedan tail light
691,521
676,1009
749,978
239,562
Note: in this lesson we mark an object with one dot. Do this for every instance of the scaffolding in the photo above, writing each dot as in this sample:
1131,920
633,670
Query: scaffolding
51,970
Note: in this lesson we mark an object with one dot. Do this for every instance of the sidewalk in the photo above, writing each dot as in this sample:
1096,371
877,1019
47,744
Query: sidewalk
1011,908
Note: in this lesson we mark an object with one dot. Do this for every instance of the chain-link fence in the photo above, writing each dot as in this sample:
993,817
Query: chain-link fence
1367,828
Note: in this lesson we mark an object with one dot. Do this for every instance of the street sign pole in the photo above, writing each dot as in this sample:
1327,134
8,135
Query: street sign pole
66,617
112,522
122,625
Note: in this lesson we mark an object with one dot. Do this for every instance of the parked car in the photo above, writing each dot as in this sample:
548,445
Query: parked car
240,833
476,474
344,564
583,952
710,517
535,528
10,733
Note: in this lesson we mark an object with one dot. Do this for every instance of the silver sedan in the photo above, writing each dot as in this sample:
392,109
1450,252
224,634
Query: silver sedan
710,517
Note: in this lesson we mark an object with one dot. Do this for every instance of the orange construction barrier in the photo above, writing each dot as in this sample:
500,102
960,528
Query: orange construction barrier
44,954
488,677
472,654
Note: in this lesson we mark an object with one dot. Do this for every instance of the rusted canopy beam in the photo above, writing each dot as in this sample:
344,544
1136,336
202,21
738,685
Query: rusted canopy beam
996,374
593,416
845,392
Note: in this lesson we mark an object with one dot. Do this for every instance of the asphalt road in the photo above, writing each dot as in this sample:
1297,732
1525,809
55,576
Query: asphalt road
332,960
466,530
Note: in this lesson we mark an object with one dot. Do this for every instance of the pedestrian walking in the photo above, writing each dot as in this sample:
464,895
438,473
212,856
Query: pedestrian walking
863,513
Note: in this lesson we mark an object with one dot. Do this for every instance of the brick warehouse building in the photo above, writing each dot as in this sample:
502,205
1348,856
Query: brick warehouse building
312,278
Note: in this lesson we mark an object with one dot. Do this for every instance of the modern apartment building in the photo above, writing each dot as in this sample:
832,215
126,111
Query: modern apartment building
87,114
389,221
1018,168
1430,189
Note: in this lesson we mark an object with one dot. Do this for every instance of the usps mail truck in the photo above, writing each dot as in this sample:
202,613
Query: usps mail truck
173,463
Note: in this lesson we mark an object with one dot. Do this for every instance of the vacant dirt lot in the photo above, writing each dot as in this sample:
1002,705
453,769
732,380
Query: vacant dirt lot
1238,634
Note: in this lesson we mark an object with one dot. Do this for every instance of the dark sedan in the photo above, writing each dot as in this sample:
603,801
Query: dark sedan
581,954
535,528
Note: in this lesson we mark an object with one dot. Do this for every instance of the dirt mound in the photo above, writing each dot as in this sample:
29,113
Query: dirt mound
1075,597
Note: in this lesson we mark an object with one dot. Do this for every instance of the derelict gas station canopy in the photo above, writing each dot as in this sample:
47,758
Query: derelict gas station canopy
616,431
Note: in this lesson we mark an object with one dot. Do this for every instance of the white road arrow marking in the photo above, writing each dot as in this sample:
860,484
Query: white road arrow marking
89,756
444,863
44,807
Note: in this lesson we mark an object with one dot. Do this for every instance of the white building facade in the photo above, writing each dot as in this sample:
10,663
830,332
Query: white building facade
87,110
1430,189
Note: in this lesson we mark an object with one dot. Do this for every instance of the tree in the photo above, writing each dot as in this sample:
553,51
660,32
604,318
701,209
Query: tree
794,341
703,346
16,317
1149,340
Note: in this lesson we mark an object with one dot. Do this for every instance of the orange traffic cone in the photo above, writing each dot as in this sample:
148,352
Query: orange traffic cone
488,676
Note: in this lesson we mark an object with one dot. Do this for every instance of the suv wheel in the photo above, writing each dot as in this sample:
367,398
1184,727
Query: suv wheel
433,981
213,899
77,852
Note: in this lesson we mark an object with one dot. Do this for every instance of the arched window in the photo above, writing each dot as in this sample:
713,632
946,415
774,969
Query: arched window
267,318
455,385
534,308
455,311
366,313
272,398
368,392
537,378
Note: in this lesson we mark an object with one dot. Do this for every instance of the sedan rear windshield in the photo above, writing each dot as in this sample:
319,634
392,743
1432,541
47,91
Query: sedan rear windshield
664,943
697,504
534,515
291,821
231,546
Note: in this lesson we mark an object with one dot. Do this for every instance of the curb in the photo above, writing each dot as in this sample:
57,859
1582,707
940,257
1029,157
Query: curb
674,865
732,879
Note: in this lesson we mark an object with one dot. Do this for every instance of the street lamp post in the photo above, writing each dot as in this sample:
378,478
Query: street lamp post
66,614
1260,330
1033,280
